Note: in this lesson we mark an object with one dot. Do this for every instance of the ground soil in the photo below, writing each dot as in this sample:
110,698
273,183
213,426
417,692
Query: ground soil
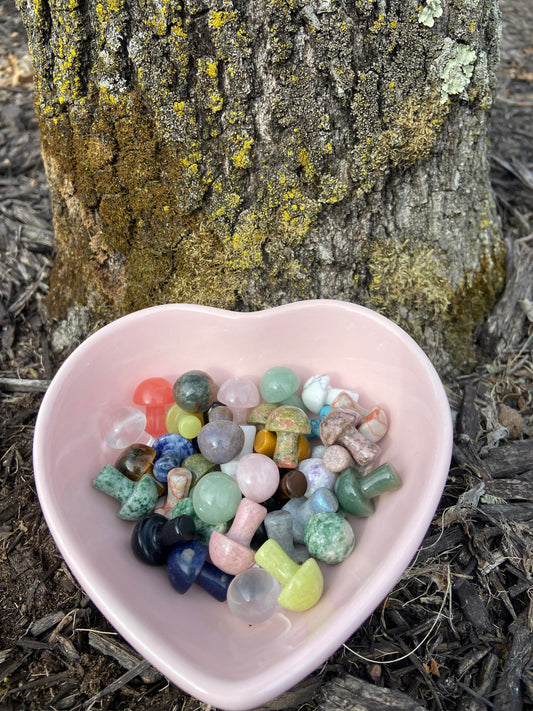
457,630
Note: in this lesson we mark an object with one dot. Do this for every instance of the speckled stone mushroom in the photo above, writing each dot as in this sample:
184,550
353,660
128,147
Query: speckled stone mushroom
287,422
302,509
337,458
339,426
195,391
329,537
137,498
336,422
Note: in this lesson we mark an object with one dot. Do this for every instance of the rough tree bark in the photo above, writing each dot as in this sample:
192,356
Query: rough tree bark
246,153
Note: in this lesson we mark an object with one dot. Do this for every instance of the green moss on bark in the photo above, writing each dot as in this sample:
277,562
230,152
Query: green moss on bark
131,195
406,281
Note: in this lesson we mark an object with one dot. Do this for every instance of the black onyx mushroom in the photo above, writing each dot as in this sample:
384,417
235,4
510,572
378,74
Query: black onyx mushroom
155,536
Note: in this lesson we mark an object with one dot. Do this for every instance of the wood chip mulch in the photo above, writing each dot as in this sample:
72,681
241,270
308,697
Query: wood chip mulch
457,630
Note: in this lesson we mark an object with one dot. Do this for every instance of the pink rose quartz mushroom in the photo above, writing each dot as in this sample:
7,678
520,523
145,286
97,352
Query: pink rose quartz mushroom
239,394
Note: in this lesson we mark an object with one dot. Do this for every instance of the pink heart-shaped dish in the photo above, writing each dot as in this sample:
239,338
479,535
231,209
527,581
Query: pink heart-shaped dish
192,639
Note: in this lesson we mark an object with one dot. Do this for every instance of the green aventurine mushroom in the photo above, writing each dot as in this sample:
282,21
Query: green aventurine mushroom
355,493
138,498
287,422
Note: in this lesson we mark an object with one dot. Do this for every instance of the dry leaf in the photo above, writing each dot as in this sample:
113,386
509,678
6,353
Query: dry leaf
432,668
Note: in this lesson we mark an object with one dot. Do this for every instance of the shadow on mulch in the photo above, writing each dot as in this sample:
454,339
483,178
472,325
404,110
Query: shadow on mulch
456,631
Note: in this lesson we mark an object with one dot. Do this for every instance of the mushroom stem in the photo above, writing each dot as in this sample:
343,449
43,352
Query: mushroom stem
113,483
280,566
286,451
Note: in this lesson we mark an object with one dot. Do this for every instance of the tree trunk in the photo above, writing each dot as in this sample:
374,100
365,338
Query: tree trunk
244,154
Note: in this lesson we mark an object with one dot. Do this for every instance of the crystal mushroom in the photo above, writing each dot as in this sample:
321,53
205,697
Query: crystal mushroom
178,482
329,537
302,585
279,383
355,493
257,476
339,426
137,498
220,441
287,422
187,564
194,391
240,395
303,508
231,551
253,595
154,394
154,536
136,460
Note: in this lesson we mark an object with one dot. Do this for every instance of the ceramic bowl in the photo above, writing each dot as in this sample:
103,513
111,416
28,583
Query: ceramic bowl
192,639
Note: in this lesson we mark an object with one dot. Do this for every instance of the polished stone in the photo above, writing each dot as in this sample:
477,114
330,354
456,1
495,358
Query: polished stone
329,537
216,497
220,441
279,383
195,391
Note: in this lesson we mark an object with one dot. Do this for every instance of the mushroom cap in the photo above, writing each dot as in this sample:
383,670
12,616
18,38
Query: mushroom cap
260,413
136,460
142,499
305,589
375,423
220,441
294,484
155,535
228,555
184,564
349,494
278,383
239,392
144,539
335,422
288,418
153,391
314,392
